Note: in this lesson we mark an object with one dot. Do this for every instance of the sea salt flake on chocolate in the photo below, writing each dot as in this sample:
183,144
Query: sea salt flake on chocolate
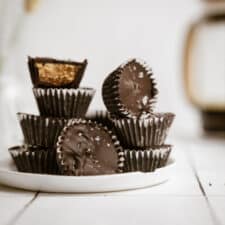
97,138
80,134
140,75
139,104
88,150
145,100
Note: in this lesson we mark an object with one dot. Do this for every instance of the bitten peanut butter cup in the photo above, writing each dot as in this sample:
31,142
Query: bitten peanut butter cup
63,102
130,90
40,131
146,160
87,148
48,72
34,159
142,133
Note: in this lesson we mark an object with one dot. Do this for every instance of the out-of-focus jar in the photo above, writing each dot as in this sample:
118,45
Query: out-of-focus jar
204,65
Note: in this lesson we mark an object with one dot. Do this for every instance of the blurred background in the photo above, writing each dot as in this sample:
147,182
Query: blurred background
182,40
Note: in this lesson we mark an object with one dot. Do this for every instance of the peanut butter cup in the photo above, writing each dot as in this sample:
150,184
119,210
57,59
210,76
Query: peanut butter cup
146,160
143,132
40,131
63,102
87,148
48,72
34,159
130,90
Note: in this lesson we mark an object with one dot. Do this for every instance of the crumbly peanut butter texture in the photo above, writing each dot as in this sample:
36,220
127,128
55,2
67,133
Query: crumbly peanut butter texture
57,74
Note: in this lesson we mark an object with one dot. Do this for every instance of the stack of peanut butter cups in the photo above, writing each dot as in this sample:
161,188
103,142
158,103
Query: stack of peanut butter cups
129,94
59,99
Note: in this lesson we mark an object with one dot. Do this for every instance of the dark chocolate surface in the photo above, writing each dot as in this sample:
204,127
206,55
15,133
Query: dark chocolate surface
48,72
135,88
87,149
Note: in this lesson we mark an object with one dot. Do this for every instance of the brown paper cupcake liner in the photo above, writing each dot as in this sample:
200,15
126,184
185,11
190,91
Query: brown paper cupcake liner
34,159
43,72
147,160
66,103
59,155
142,133
100,116
110,92
40,131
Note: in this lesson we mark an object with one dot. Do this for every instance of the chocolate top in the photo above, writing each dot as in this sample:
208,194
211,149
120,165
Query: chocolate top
47,72
136,88
87,149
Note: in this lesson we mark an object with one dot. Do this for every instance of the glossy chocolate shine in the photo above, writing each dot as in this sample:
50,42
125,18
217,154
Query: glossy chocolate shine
135,88
89,150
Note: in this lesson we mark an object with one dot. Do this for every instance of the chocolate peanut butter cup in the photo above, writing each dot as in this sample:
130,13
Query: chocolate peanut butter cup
34,159
130,90
142,133
147,160
48,72
87,148
62,102
39,130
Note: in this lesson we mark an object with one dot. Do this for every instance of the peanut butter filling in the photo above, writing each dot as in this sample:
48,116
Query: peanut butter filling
57,74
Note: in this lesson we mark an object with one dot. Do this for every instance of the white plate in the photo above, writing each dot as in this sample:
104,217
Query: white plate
84,184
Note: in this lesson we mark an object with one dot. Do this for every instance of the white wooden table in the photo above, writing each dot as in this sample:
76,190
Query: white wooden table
194,195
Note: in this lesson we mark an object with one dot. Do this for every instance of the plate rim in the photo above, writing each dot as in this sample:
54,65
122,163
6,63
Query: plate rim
139,173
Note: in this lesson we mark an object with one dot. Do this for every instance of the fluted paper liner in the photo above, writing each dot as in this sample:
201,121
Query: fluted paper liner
100,116
110,91
62,102
147,160
34,160
142,133
40,131
60,159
